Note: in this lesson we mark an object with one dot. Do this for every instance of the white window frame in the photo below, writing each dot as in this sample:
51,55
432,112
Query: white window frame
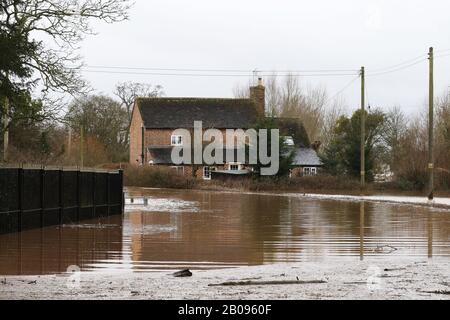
309,171
176,140
210,169
238,164
177,169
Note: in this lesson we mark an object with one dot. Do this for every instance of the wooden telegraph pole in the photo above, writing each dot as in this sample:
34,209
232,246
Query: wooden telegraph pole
363,130
431,127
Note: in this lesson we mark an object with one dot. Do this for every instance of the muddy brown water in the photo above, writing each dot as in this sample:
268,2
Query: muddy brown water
168,229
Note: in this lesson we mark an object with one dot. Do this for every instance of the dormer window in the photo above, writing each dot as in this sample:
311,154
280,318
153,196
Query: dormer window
176,140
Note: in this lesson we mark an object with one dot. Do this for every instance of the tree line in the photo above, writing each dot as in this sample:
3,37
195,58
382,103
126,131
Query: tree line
40,66
396,143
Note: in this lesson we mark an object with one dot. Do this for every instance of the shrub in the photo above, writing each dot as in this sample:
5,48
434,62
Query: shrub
156,177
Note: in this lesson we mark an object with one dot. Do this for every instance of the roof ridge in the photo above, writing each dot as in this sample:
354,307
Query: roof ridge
192,98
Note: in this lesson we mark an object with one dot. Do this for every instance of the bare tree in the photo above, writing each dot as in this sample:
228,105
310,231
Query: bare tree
332,113
273,99
291,97
395,128
285,97
127,92
104,119
272,93
51,31
58,27
241,91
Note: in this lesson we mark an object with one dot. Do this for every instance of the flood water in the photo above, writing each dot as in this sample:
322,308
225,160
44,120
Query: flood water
168,229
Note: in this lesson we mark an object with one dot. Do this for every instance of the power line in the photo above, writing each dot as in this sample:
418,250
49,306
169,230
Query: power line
422,56
443,55
215,75
166,69
397,69
442,51
193,72
342,90
219,70
406,64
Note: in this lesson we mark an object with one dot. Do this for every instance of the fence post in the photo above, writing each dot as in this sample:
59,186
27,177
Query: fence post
20,189
42,195
93,194
61,195
108,191
78,194
122,196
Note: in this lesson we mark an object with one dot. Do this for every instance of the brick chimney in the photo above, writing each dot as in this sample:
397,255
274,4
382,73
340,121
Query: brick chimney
258,95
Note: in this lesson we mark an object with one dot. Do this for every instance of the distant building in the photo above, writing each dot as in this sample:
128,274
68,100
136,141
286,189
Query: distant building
155,119
306,162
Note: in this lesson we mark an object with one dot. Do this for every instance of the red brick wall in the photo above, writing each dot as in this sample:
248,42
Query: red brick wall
297,172
158,137
136,137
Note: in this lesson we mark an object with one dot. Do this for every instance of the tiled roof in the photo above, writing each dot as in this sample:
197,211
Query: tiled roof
174,113
306,157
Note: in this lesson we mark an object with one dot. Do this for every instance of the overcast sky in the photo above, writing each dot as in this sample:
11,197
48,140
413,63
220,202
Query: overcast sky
278,35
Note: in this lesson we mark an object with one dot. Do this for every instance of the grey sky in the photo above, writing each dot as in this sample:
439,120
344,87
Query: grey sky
278,35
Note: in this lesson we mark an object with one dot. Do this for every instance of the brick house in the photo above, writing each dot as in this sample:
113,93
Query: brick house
155,119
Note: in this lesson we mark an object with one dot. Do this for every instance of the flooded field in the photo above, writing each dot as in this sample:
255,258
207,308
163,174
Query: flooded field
168,229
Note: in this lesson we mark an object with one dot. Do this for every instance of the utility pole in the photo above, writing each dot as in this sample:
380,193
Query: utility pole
363,130
431,127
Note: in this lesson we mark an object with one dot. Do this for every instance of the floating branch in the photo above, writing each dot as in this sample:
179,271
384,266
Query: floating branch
261,283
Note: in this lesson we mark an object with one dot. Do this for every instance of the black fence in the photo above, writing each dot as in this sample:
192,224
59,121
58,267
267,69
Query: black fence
39,197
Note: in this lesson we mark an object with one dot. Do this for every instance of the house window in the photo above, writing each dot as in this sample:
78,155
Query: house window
178,169
207,172
235,167
176,140
309,171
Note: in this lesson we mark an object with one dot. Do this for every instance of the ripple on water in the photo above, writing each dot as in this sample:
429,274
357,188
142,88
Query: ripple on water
154,229
162,205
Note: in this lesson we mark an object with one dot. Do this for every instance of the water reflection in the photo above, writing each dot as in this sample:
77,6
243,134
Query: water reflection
52,250
361,230
166,229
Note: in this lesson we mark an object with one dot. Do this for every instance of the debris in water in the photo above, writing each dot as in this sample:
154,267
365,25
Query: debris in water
385,249
183,273
394,269
446,292
260,283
